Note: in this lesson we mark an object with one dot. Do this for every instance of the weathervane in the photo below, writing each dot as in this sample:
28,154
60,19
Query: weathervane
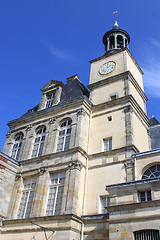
115,15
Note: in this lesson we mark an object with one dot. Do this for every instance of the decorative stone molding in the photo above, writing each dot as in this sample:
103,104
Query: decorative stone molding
129,164
52,121
41,170
8,134
28,128
18,176
128,109
81,112
75,165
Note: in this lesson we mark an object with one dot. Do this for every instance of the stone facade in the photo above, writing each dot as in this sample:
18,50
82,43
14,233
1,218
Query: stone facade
84,168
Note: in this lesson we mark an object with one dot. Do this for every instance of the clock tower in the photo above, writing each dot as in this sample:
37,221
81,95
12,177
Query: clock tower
117,92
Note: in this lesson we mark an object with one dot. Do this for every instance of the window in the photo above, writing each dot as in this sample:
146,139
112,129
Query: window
145,196
152,172
39,142
27,198
107,144
104,202
50,99
109,118
147,235
113,96
64,135
17,146
55,195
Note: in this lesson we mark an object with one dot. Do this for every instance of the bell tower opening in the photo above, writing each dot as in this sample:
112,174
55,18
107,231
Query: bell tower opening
116,38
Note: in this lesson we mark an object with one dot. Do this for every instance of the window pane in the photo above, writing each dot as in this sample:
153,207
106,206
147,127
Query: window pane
55,194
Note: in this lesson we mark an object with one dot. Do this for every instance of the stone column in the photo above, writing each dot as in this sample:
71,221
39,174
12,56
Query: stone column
8,143
123,41
15,197
108,44
115,40
129,167
49,138
72,183
128,125
42,102
57,95
79,131
28,144
40,197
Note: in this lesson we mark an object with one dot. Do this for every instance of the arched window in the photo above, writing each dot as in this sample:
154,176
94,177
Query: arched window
152,172
112,43
119,41
17,146
64,135
147,234
39,142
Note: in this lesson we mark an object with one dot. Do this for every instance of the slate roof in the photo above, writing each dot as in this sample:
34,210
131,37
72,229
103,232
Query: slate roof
71,91
153,121
154,132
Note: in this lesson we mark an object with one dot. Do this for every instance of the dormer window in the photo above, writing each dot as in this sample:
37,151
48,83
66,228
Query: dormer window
50,99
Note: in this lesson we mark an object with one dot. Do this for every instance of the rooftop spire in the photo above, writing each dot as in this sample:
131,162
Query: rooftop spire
115,22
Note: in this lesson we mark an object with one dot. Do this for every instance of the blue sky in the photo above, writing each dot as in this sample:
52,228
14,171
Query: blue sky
42,40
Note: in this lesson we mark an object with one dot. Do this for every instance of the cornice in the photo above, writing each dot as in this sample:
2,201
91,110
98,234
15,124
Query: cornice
41,219
48,112
116,52
128,219
113,152
122,76
54,155
130,206
126,100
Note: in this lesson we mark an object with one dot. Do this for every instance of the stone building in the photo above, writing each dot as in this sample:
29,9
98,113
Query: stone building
85,161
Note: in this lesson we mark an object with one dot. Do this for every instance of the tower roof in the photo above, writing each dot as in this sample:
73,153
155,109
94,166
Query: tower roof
115,38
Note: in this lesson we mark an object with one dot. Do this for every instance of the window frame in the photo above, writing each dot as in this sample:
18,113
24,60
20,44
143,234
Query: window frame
153,234
52,202
27,197
50,102
145,196
64,135
104,201
150,173
107,144
17,145
39,140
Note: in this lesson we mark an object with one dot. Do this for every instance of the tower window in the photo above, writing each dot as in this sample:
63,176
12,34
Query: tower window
145,196
119,41
50,99
17,146
112,42
27,198
64,135
107,144
55,195
39,142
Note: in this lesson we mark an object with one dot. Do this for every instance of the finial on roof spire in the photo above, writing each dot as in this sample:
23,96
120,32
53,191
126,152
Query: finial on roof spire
115,15
115,23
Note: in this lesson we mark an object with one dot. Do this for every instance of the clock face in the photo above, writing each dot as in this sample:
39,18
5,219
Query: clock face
107,67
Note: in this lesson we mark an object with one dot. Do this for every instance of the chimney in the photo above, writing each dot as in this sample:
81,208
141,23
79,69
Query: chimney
69,79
